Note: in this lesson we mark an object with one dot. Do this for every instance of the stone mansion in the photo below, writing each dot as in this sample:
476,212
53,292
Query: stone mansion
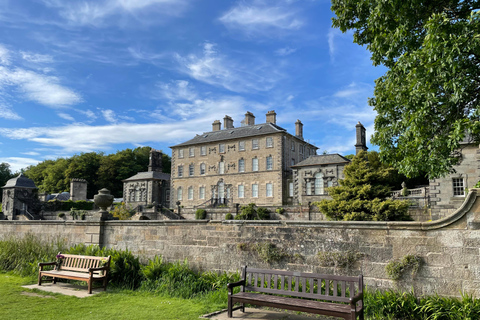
251,163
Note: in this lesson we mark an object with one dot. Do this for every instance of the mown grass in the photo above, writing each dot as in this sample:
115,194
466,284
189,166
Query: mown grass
114,304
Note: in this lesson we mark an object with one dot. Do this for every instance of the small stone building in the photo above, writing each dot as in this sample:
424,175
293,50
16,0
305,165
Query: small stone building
313,175
78,189
148,188
20,199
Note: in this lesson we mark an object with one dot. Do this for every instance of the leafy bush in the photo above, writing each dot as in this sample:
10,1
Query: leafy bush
249,212
122,211
338,259
229,216
61,214
201,214
396,268
280,210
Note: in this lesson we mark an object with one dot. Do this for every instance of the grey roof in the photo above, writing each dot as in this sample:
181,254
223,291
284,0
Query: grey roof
149,175
240,132
20,181
322,159
64,196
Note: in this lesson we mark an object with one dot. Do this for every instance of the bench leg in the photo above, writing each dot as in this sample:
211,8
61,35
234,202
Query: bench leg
54,280
361,315
105,284
39,278
89,287
230,306
243,307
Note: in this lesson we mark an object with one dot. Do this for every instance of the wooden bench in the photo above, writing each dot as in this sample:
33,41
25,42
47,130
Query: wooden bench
340,296
76,267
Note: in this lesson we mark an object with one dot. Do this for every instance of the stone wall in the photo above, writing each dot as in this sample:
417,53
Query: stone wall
449,247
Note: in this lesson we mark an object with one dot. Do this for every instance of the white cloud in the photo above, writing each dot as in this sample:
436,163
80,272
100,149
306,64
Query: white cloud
36,58
109,115
65,116
96,13
290,97
331,43
260,19
88,113
31,153
6,112
4,56
285,51
17,163
177,90
216,69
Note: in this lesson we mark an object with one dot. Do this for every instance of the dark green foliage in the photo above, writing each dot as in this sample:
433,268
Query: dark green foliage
249,212
201,214
338,259
229,216
364,194
100,171
432,50
56,205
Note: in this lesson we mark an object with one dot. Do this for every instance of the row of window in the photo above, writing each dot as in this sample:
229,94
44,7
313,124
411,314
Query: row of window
225,193
241,147
221,167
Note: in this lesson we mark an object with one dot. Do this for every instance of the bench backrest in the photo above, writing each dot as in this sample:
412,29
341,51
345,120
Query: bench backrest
73,262
300,284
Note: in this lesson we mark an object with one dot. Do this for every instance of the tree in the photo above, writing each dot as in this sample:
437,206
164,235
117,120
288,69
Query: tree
364,194
428,100
5,175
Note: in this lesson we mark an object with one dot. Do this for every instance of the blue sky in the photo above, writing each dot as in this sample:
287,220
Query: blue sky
105,75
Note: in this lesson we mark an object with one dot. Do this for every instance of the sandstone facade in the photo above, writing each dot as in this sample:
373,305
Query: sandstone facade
241,165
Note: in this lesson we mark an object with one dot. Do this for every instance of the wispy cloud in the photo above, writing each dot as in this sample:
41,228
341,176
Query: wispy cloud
177,90
66,116
100,12
109,116
36,58
216,69
260,18
17,163
4,55
285,51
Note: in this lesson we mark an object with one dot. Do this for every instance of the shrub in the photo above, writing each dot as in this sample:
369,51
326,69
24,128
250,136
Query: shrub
396,268
263,213
338,259
280,210
249,212
61,214
229,216
122,211
201,214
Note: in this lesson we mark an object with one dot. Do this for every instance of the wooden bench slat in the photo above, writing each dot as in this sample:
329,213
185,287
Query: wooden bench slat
306,275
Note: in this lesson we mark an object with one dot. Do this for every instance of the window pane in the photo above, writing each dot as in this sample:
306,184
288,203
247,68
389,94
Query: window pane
192,152
319,183
203,151
255,190
202,193
309,188
191,170
241,145
180,153
241,165
255,164
255,144
269,142
221,148
179,193
202,168
180,171
269,163
290,189
190,193
241,191
458,188
221,168
269,190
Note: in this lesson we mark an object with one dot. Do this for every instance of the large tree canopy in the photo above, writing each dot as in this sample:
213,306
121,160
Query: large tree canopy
428,101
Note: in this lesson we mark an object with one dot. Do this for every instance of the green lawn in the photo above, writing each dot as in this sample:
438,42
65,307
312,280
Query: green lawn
15,304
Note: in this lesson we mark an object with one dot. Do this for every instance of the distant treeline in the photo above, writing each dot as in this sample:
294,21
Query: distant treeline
100,170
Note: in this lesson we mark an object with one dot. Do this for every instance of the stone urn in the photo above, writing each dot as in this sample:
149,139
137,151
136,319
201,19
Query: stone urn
103,200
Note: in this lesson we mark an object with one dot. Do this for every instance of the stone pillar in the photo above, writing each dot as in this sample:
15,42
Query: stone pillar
271,117
299,129
361,144
78,189
227,122
155,161
216,125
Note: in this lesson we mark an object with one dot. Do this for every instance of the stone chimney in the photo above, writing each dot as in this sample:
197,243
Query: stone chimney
155,161
299,129
272,117
227,123
361,138
249,119
216,125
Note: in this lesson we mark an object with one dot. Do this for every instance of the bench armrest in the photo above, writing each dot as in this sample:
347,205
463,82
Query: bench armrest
105,268
43,264
232,285
356,298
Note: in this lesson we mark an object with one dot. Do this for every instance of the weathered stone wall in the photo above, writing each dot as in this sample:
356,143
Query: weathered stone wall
449,247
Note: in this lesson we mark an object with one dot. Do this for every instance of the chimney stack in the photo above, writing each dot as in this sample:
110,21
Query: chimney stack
361,144
272,117
249,119
299,129
227,122
216,125
155,161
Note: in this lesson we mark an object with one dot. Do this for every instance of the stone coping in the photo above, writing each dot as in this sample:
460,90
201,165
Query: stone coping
379,225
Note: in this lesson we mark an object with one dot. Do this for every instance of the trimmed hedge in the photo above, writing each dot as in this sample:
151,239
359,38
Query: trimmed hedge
56,205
